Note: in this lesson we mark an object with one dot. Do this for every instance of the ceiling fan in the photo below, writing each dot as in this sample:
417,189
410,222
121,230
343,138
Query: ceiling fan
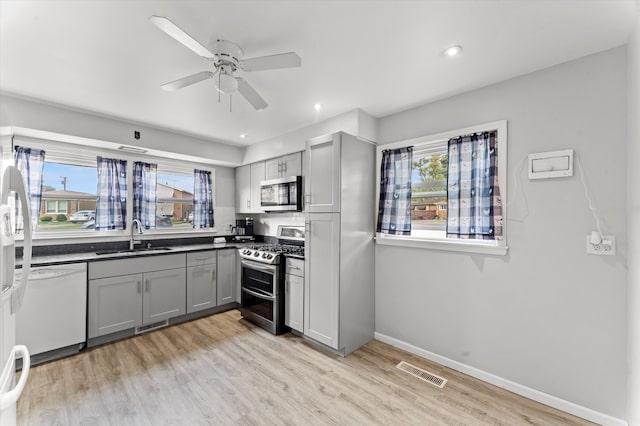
227,58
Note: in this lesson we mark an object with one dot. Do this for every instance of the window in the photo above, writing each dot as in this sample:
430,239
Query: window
70,188
66,189
175,200
434,216
429,187
56,207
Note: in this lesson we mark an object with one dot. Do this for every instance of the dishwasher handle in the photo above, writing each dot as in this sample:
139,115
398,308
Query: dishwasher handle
36,274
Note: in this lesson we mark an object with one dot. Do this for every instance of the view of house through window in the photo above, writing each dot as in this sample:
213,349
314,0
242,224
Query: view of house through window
68,197
429,187
175,200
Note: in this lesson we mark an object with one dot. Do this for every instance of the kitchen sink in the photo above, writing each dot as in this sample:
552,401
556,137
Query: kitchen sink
134,251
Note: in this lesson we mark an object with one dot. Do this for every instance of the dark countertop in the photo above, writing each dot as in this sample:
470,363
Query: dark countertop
89,255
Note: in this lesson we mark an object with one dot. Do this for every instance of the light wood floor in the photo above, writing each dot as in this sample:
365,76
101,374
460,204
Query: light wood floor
222,370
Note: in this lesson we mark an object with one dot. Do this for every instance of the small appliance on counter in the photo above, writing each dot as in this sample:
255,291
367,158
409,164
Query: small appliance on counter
244,227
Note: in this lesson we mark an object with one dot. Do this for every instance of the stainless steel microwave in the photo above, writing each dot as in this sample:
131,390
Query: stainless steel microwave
282,194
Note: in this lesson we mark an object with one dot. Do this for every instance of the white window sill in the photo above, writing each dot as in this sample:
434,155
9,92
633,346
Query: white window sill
424,242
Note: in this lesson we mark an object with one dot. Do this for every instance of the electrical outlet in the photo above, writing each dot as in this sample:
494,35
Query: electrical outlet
606,248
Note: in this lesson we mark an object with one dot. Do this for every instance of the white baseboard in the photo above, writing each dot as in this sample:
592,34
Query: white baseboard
550,400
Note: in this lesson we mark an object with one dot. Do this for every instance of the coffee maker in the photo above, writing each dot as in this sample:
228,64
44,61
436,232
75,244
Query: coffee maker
244,226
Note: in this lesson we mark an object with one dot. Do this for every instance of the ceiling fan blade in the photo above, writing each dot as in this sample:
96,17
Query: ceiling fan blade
251,95
282,60
186,81
165,25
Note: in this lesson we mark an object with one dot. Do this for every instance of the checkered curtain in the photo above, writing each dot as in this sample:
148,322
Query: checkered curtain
30,162
394,209
202,200
111,202
474,202
145,194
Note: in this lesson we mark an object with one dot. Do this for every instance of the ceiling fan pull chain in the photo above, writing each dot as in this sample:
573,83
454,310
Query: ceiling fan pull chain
219,86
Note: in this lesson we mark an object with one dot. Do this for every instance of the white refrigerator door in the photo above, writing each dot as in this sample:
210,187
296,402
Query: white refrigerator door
11,295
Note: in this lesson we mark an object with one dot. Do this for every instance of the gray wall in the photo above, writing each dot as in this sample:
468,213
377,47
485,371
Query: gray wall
41,116
58,119
633,194
547,315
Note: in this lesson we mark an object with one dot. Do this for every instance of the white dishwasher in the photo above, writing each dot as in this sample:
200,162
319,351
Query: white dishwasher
53,319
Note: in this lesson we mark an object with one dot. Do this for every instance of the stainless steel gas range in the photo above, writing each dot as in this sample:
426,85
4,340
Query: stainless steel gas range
262,279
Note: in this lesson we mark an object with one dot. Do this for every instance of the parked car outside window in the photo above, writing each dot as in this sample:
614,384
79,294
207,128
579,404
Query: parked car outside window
163,222
83,216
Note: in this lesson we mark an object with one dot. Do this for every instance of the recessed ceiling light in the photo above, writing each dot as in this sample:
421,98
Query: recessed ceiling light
317,107
452,51
243,135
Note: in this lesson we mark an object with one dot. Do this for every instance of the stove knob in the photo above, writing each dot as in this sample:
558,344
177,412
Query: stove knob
256,254
269,256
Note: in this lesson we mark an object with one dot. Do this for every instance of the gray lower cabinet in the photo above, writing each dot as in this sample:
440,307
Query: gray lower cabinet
294,294
226,276
202,290
164,295
115,304
128,293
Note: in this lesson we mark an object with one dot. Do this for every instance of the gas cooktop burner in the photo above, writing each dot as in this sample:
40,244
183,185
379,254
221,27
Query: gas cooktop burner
270,253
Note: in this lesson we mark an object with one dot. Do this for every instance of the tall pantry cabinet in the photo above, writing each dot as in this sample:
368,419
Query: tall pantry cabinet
339,252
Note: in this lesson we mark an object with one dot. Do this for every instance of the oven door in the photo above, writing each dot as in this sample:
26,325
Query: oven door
259,298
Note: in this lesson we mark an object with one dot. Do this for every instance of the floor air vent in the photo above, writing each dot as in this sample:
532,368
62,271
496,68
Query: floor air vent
422,374
149,327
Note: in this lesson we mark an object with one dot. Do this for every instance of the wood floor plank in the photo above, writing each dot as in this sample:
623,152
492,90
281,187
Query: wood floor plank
222,370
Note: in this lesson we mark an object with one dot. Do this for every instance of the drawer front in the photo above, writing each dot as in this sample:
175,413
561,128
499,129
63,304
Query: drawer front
136,265
199,258
294,266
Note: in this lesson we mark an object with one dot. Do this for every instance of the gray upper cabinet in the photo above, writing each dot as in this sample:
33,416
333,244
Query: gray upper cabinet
322,182
202,291
248,180
243,189
226,276
287,165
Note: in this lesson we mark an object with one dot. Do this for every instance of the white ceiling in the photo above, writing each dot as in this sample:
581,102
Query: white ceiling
380,56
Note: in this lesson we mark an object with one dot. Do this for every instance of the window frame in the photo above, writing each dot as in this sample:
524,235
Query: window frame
437,240
82,155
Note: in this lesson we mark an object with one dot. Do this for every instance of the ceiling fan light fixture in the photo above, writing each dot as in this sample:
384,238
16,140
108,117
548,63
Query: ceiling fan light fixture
225,83
317,106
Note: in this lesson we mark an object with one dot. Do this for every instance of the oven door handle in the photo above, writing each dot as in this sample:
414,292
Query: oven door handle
254,265
259,295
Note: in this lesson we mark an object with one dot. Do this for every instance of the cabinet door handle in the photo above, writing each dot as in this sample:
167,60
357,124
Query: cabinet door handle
213,275
248,203
139,286
307,226
146,285
307,198
202,258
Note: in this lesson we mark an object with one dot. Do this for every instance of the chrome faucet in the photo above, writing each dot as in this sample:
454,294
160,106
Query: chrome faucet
132,242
